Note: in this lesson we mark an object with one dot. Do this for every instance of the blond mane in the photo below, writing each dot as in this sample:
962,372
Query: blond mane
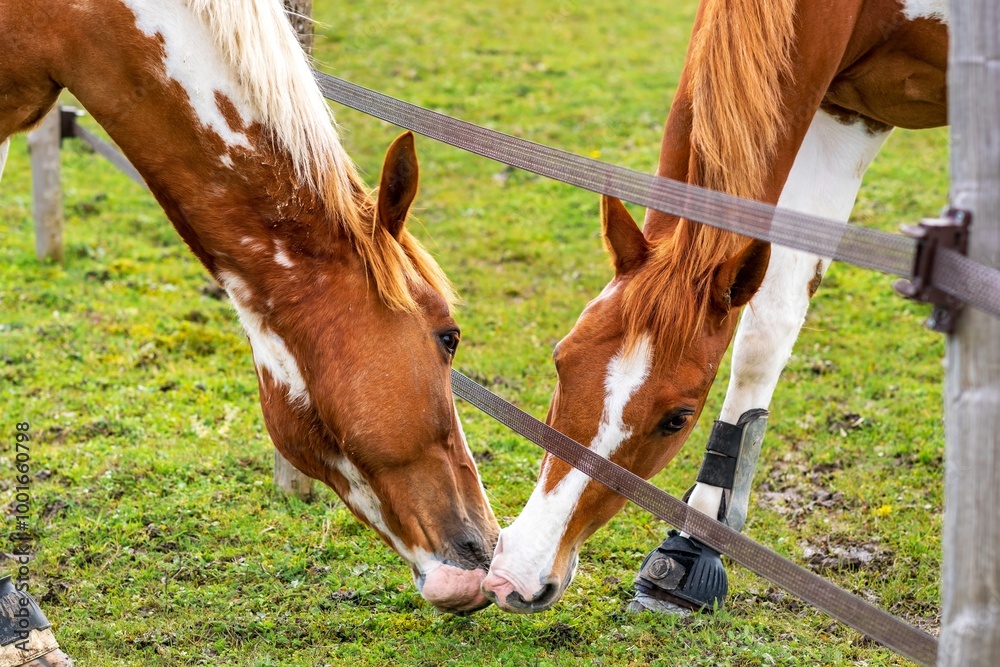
257,40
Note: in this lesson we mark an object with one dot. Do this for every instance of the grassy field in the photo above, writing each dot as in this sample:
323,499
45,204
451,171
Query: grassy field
159,539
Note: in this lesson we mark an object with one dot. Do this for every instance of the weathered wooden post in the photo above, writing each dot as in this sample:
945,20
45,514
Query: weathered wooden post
970,630
287,476
46,187
300,14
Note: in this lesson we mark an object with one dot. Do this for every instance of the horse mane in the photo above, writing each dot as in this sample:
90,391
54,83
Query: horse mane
740,57
257,40
668,297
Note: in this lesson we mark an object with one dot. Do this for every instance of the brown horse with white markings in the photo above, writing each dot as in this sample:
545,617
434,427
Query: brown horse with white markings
785,101
348,317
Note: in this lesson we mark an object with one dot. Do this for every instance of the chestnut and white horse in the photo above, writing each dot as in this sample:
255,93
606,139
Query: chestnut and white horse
348,317
785,101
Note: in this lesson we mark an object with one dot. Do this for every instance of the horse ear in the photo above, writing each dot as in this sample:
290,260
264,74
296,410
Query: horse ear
739,278
622,237
398,186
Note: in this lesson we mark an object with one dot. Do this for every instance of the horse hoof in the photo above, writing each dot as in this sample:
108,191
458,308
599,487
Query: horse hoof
681,573
26,638
642,602
54,659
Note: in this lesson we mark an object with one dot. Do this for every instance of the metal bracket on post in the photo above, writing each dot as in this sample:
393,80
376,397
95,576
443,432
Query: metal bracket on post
67,122
949,231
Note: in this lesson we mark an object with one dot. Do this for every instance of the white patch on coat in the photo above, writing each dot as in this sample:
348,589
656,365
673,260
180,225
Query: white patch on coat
926,9
194,61
364,502
259,45
269,349
281,256
531,542
824,181
253,244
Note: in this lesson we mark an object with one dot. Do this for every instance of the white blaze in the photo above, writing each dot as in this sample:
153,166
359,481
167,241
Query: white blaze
531,542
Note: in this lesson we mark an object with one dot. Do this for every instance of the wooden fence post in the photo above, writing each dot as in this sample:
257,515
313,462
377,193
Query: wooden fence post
300,14
287,476
970,587
46,187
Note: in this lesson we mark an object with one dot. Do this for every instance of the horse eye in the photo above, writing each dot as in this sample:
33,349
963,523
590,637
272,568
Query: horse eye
450,341
673,423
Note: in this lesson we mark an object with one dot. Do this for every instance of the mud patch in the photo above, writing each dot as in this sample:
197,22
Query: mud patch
844,555
796,503
560,636
54,592
53,509
845,422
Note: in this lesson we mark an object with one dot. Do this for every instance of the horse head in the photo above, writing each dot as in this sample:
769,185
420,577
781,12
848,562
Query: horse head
357,393
633,376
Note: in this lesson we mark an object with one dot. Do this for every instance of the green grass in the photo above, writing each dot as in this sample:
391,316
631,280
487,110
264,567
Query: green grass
159,538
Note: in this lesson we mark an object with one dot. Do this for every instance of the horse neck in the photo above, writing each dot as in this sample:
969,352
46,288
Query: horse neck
172,105
678,162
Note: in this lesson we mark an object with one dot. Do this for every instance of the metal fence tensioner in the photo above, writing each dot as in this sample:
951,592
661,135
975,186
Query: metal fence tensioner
949,231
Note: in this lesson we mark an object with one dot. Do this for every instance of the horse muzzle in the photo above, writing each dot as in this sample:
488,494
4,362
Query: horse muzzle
453,589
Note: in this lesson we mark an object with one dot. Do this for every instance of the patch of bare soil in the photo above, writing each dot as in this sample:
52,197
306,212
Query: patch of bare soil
797,502
835,552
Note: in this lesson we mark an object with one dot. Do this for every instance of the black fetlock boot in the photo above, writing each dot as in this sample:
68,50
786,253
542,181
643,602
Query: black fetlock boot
682,574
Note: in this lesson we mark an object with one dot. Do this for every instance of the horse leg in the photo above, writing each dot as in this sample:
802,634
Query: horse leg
824,180
4,150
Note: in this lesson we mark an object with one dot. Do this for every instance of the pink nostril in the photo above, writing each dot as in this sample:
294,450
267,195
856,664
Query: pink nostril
497,588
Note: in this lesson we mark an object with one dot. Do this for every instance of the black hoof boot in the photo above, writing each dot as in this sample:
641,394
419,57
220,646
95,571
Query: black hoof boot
679,576
26,638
